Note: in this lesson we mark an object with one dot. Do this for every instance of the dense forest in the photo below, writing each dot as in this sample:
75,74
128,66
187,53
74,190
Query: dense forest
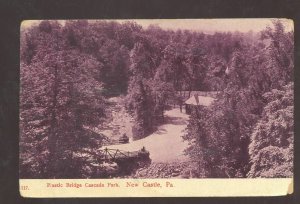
70,70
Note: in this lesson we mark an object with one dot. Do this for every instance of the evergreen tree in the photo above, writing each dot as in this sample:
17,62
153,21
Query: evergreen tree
60,97
272,141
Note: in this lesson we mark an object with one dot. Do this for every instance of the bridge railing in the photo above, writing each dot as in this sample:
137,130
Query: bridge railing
116,153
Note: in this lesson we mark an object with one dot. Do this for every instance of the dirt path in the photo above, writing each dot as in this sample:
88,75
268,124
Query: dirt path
166,144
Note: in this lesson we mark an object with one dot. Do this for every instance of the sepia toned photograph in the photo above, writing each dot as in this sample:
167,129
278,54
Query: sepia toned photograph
156,99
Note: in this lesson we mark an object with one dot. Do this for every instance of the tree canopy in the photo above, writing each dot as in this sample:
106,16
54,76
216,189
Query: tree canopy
68,73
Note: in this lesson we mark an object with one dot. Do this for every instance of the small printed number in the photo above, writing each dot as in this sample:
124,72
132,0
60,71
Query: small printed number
24,188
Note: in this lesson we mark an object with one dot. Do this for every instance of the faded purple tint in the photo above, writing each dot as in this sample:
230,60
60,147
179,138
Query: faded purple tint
157,98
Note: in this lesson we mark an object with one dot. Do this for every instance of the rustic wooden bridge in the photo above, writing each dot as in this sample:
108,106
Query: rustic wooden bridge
116,154
119,162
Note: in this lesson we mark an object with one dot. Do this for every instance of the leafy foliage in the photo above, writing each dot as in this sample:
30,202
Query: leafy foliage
272,140
60,97
233,138
69,71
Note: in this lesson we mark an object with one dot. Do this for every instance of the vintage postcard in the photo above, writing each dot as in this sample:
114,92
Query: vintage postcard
156,108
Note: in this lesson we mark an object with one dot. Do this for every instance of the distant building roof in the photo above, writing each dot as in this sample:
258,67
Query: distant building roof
200,100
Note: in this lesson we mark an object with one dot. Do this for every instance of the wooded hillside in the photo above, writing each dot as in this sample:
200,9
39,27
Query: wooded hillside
70,70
